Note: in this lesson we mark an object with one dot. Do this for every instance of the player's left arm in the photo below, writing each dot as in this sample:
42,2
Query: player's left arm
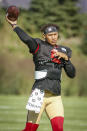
68,66
65,59
69,69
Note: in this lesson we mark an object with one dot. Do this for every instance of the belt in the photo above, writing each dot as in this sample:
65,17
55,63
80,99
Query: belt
54,74
40,74
48,94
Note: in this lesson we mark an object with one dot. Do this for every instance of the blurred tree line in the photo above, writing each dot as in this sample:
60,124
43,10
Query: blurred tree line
2,13
16,74
84,45
64,13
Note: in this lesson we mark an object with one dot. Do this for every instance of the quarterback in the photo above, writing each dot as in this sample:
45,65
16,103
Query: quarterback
49,59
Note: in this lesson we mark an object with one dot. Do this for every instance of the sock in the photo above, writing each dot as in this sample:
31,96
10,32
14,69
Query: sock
34,127
28,126
31,127
57,123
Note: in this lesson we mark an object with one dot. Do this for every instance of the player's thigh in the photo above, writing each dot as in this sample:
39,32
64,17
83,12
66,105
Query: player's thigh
32,116
35,117
55,107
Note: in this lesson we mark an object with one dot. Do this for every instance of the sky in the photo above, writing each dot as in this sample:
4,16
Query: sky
19,3
25,4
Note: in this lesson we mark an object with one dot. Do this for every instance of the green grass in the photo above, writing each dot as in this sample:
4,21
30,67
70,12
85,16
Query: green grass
13,114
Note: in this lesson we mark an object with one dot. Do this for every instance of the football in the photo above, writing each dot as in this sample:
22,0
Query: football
12,13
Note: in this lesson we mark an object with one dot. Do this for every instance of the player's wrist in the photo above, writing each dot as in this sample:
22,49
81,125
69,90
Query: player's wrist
14,26
66,58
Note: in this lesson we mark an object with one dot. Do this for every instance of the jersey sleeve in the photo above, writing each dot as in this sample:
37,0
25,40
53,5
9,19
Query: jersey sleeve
29,41
69,69
69,52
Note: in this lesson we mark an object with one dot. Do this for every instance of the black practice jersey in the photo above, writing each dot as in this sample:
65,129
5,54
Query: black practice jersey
41,51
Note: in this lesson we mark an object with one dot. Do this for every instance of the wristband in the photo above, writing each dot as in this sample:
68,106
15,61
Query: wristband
13,25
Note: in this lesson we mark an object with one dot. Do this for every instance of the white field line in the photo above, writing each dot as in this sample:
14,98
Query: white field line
69,129
20,120
76,103
9,128
68,122
81,116
5,107
75,109
13,112
8,107
76,122
45,128
71,110
18,129
12,120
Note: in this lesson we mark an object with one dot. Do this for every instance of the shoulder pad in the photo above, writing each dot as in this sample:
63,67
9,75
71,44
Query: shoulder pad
38,40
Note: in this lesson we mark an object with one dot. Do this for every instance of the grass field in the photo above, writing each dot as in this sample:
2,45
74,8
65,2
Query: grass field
13,114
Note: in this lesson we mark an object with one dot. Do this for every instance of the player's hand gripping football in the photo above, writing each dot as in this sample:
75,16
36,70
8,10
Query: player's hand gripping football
12,14
12,23
60,55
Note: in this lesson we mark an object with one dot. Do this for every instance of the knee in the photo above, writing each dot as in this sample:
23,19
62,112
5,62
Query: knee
57,123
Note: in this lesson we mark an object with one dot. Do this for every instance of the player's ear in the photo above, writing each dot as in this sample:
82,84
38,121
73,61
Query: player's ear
44,36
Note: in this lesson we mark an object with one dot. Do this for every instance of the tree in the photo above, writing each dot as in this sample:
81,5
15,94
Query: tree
61,12
84,43
2,14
